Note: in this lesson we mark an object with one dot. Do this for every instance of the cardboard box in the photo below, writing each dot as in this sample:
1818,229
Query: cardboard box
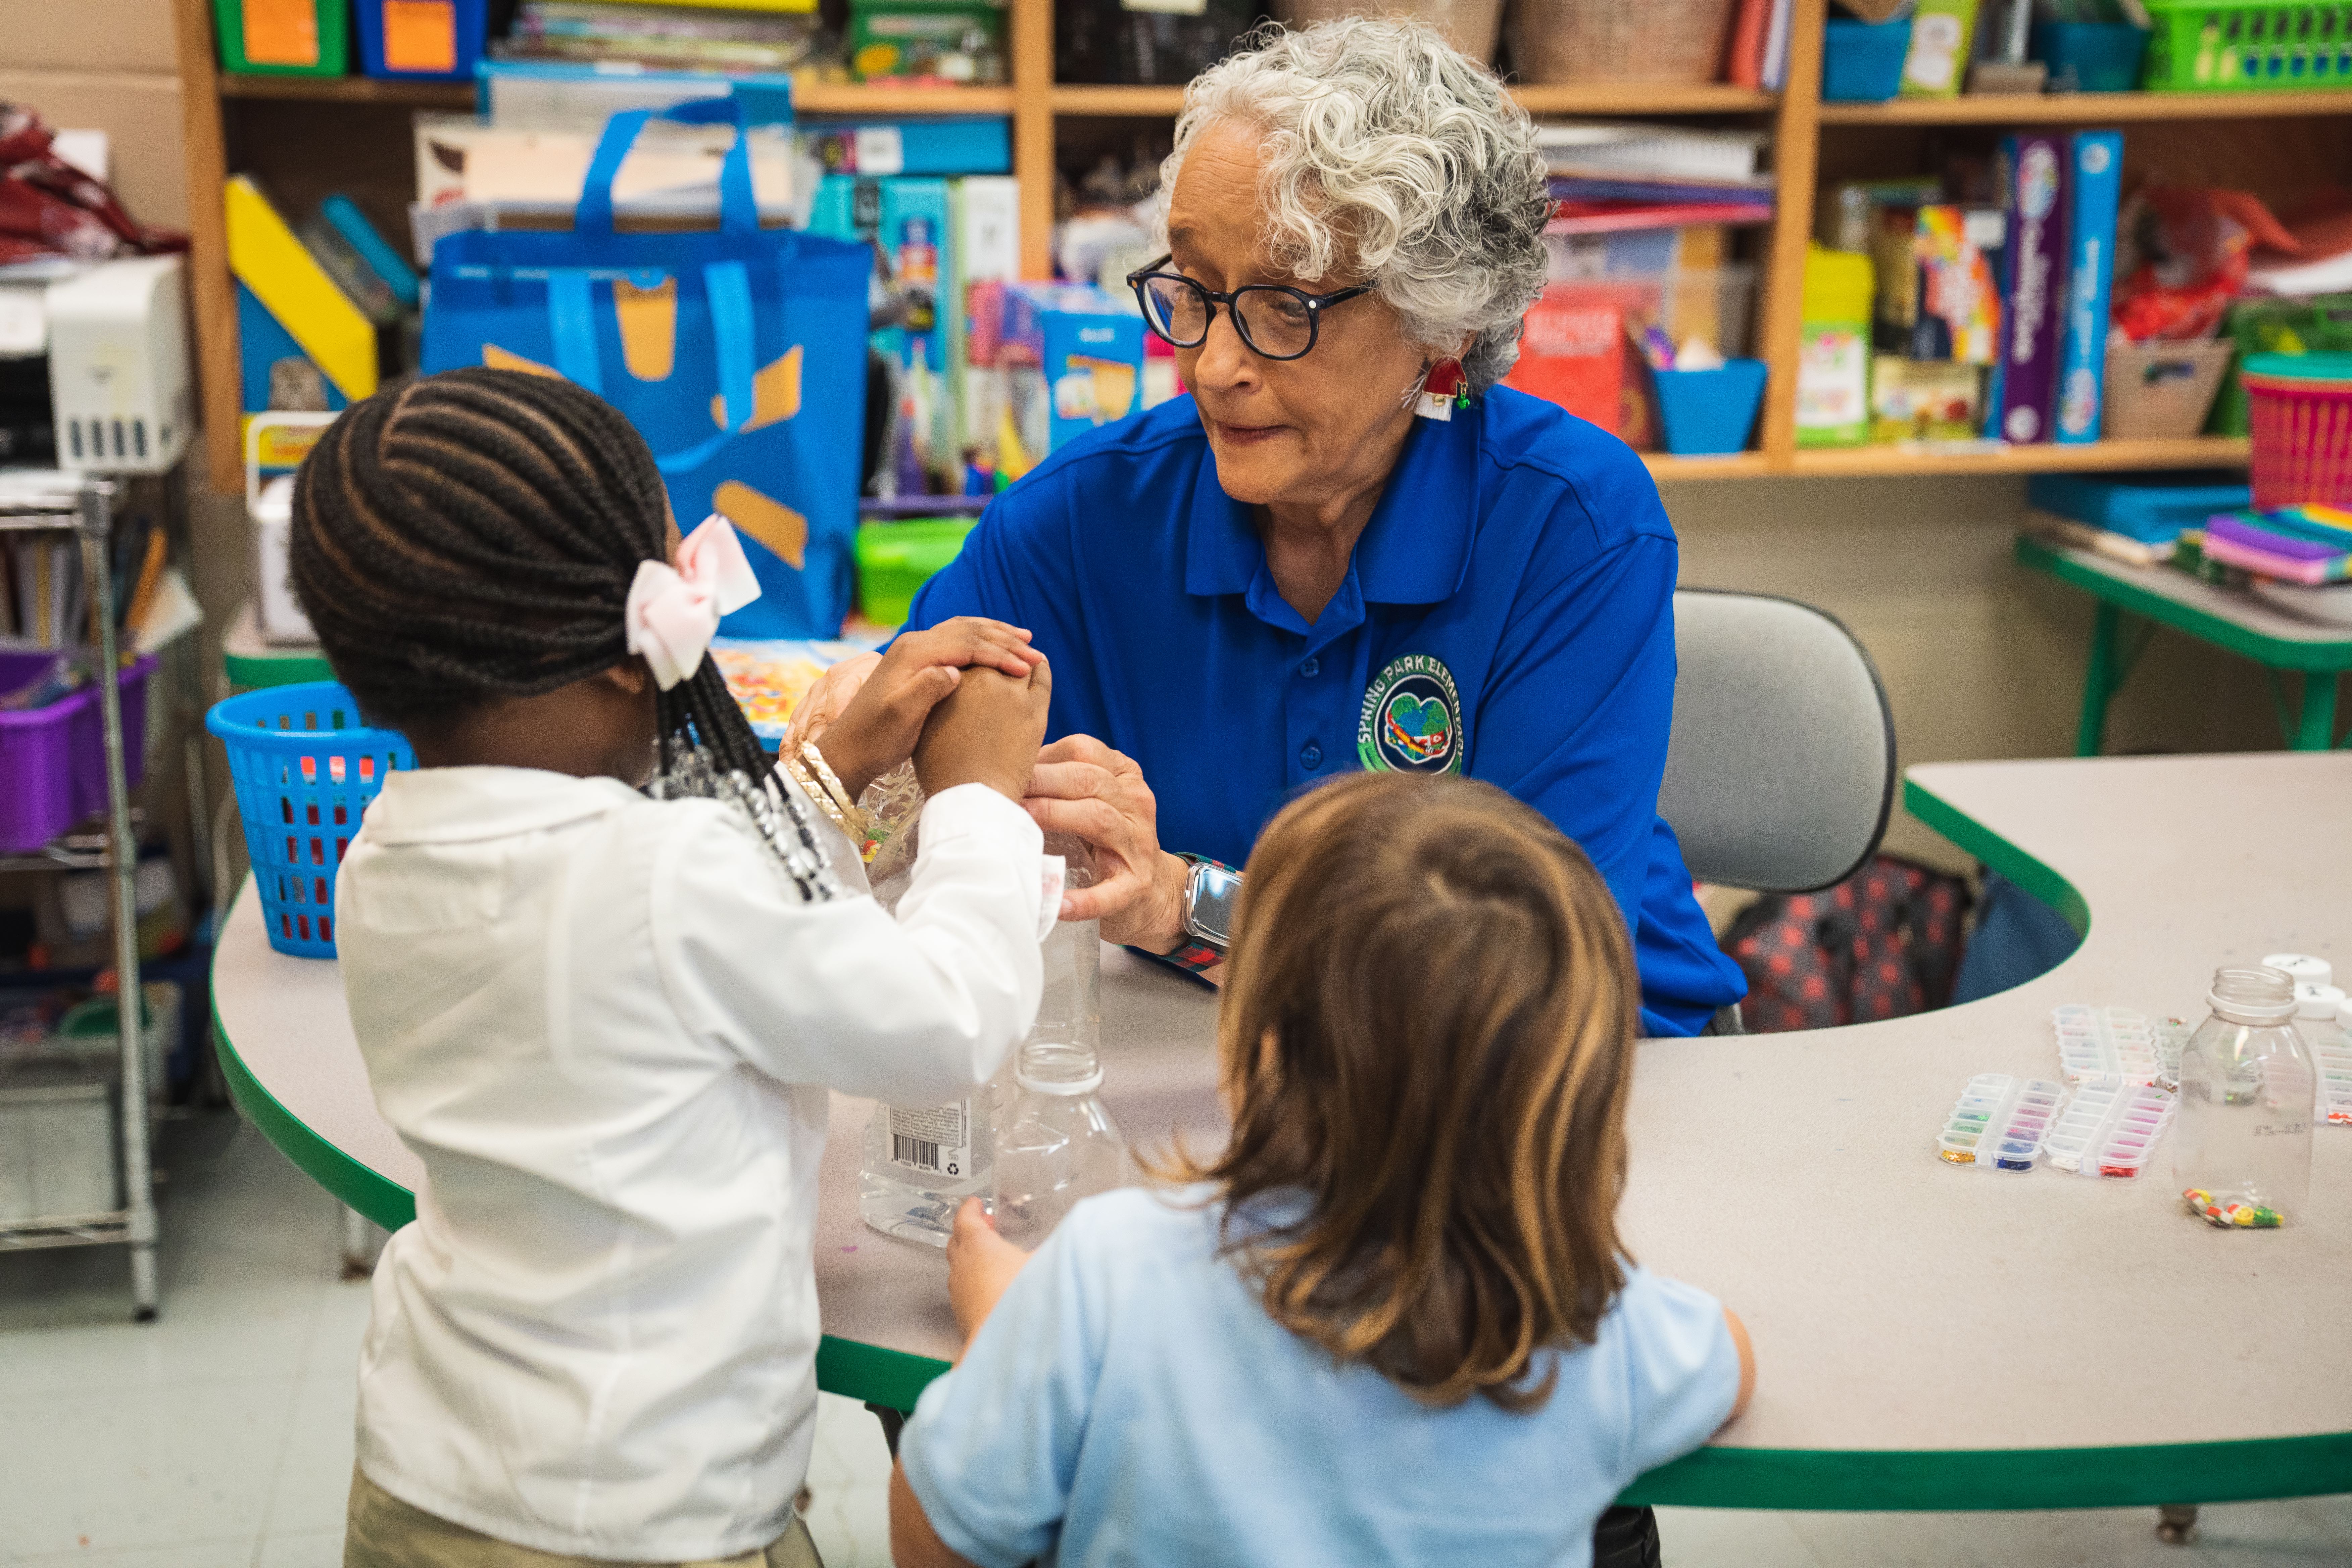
140,114
91,36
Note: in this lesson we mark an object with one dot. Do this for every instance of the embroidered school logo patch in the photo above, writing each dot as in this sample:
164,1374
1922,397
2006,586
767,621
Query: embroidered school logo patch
1412,719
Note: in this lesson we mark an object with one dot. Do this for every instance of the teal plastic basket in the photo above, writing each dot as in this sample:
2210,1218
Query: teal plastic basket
305,768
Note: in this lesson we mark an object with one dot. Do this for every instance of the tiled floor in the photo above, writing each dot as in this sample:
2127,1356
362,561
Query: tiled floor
220,1435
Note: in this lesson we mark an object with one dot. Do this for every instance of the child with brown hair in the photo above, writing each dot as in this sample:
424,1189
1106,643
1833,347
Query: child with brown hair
1393,1322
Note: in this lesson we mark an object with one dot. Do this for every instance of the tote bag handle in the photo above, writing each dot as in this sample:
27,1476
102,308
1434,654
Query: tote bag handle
738,207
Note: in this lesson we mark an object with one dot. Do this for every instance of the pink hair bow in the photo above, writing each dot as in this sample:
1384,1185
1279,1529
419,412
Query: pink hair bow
674,612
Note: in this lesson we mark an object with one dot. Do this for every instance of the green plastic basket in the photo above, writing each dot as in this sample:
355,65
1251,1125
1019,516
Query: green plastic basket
284,37
895,558
2249,46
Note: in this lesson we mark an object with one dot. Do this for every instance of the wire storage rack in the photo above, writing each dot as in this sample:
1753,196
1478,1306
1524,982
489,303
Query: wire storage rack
85,510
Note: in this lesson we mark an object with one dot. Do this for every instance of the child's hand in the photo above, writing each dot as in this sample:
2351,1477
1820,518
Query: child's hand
883,715
987,732
981,1264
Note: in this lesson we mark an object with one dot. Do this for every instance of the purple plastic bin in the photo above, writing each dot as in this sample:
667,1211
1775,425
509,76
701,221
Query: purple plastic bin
53,758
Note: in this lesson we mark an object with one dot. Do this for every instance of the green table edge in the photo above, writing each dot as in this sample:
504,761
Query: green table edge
253,670
1714,1476
2276,653
1997,852
846,1367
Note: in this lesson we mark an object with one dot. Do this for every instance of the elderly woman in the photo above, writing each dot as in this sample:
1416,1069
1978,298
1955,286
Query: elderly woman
1347,547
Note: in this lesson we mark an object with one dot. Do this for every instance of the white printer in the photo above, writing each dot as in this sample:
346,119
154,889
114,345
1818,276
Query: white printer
119,365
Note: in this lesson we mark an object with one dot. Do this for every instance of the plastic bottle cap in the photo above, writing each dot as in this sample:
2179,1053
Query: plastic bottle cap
2343,1014
2303,969
2317,1001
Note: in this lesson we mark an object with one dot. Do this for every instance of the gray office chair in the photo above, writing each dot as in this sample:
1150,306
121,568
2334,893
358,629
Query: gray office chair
1780,771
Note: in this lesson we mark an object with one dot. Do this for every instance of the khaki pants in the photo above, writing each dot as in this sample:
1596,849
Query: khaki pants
382,1531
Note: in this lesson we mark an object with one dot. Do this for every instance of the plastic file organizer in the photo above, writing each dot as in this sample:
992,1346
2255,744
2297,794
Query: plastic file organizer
2104,1043
305,768
2110,1129
2001,1121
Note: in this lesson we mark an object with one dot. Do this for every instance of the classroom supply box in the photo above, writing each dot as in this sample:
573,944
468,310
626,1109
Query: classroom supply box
705,340
53,758
2097,187
284,37
2032,175
422,40
1087,351
305,767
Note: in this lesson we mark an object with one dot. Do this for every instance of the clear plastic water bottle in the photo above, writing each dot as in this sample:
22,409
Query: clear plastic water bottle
2242,1155
920,1162
1056,1140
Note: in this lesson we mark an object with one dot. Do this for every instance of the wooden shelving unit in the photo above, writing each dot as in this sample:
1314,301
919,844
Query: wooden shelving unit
2088,108
2190,452
349,116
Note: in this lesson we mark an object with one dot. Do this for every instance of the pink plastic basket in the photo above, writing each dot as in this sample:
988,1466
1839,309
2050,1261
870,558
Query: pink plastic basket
53,758
2299,409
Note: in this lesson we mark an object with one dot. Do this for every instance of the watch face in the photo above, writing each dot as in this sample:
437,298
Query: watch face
1215,893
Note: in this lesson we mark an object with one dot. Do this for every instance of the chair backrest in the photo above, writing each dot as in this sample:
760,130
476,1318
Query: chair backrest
1780,771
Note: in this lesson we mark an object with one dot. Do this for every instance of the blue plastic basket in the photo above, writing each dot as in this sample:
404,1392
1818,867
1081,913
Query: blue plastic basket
1862,62
1710,411
305,768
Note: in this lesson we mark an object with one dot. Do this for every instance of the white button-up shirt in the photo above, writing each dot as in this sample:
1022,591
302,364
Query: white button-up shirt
607,1026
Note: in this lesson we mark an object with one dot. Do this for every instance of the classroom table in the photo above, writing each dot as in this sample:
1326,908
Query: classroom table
2229,618
1929,1336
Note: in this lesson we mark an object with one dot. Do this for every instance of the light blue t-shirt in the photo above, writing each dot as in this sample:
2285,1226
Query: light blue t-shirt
1130,1402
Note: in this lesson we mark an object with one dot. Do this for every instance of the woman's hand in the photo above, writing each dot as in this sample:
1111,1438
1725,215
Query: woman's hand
1084,788
866,713
981,1264
986,732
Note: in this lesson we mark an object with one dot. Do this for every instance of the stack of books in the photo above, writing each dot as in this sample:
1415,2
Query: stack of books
2310,545
1653,177
730,39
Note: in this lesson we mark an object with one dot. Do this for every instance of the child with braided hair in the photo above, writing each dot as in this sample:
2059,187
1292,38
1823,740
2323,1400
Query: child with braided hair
604,963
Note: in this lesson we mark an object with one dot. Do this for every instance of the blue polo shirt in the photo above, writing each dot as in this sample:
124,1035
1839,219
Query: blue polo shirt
1509,613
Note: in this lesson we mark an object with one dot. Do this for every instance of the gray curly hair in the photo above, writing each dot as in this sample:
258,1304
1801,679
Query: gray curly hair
1391,155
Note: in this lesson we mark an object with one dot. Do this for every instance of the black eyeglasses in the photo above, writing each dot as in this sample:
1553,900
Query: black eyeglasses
1276,321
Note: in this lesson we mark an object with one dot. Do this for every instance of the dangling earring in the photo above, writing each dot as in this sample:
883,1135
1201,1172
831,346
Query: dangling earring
1442,389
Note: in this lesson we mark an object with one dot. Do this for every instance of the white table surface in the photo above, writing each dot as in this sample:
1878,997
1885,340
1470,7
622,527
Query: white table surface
1896,1302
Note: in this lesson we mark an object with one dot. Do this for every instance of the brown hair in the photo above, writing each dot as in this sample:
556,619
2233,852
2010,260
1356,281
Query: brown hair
1427,1032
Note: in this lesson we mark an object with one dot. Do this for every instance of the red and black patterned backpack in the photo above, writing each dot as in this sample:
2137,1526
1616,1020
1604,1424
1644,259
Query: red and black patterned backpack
1883,943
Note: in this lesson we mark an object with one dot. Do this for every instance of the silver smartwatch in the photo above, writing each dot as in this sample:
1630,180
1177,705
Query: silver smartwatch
1210,891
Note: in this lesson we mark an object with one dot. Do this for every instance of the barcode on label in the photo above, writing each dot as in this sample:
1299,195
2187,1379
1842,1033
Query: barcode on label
916,1153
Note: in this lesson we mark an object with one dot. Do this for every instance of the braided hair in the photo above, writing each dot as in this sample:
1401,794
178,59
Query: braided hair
470,537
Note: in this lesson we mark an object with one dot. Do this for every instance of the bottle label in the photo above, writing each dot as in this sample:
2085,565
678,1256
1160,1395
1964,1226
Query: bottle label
934,1140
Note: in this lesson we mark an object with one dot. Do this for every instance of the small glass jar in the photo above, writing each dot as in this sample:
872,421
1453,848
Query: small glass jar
2241,1153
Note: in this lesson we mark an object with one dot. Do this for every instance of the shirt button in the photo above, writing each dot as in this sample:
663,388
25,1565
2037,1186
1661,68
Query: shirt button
1310,669
1310,756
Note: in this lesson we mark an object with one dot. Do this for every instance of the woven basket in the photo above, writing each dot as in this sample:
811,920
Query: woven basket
1470,25
1619,40
2162,389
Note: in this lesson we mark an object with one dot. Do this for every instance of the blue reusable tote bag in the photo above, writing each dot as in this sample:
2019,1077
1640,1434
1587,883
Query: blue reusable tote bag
738,354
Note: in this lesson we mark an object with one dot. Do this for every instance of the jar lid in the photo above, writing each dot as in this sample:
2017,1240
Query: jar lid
2317,1001
2300,367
